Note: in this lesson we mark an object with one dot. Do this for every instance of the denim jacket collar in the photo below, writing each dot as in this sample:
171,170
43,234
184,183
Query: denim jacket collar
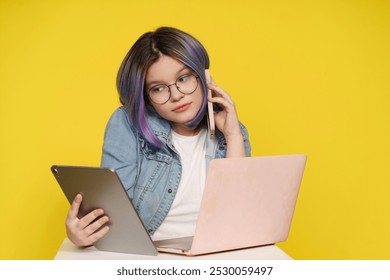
162,130
160,127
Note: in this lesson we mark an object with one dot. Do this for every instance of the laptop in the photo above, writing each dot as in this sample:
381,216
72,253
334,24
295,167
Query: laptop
247,202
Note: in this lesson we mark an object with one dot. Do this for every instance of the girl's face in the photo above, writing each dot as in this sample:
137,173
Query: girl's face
180,108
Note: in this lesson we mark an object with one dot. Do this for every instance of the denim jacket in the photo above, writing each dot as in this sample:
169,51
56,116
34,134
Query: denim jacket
150,176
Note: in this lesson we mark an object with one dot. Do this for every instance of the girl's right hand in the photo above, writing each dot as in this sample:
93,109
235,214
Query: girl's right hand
88,229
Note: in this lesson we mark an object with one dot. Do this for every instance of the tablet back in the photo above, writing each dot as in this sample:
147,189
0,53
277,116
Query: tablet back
102,188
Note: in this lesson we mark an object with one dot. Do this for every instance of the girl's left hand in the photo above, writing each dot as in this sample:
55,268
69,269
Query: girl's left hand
226,120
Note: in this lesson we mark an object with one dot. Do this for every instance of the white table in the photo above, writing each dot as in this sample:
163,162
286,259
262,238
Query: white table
68,251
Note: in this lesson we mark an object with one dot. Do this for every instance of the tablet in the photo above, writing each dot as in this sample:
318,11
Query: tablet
102,188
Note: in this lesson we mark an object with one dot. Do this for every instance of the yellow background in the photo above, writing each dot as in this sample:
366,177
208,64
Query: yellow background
307,76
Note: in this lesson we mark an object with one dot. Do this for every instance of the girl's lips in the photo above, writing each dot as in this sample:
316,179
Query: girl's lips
182,108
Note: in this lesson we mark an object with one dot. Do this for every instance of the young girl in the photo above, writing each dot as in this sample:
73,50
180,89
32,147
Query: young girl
158,141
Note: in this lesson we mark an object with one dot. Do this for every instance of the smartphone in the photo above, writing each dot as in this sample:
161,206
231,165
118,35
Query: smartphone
210,115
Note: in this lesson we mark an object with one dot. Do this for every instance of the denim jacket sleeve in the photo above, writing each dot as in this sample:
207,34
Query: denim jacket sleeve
221,146
120,149
247,144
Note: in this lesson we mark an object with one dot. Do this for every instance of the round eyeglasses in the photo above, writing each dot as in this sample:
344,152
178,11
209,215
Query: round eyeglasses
186,84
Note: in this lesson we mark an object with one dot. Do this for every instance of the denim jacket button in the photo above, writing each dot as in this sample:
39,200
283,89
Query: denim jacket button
169,190
221,148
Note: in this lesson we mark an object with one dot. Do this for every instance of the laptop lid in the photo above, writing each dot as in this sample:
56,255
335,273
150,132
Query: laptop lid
102,188
247,202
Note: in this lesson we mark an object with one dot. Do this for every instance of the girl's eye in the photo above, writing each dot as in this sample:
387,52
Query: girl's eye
157,89
183,78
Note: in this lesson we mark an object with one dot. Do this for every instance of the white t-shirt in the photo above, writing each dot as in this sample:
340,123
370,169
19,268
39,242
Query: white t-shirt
182,216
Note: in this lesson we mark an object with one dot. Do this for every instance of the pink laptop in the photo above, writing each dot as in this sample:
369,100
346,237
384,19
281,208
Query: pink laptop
247,202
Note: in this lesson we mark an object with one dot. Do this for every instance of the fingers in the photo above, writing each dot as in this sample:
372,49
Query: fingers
97,235
92,227
88,229
219,92
224,103
75,207
226,120
93,232
89,218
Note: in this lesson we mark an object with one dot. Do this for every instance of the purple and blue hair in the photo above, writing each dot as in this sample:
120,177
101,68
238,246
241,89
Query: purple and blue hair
146,50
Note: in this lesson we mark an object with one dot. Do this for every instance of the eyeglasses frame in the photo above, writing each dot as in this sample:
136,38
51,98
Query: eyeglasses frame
170,92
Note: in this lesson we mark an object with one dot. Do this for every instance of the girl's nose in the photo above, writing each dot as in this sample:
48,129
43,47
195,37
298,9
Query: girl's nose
175,93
